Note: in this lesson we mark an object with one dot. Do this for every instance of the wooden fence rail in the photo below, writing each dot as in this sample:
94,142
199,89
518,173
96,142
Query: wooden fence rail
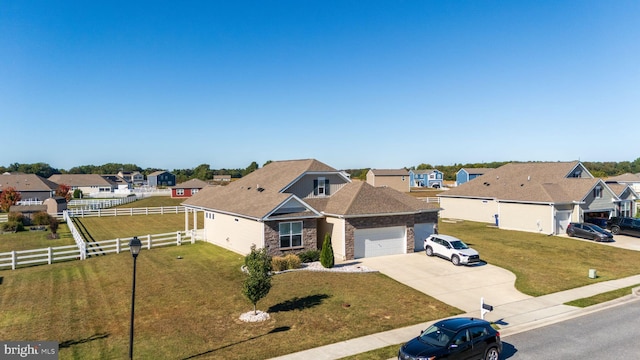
21,258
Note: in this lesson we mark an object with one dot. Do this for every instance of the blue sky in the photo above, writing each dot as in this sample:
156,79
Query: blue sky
354,84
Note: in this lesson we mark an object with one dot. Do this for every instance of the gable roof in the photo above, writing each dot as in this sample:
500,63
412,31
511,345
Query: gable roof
26,182
159,172
530,182
624,178
389,172
191,184
427,171
81,180
259,193
476,171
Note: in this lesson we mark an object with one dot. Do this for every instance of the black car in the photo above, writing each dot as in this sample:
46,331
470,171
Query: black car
589,231
453,339
624,225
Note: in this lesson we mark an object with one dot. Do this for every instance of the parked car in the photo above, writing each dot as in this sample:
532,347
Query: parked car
450,248
453,339
589,231
624,225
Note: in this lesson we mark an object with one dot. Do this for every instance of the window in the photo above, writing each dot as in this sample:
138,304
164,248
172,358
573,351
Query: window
321,186
194,191
179,192
625,209
291,234
597,192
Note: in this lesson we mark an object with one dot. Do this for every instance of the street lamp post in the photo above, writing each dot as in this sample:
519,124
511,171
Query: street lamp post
134,246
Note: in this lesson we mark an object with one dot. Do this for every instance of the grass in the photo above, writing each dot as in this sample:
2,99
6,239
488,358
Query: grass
386,352
32,239
604,297
545,264
189,308
153,201
107,228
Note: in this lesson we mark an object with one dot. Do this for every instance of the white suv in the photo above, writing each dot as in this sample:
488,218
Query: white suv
450,248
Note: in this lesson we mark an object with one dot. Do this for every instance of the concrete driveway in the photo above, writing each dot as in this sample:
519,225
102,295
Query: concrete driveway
459,286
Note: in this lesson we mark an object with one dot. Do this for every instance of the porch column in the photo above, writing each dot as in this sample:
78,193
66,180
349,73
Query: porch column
186,219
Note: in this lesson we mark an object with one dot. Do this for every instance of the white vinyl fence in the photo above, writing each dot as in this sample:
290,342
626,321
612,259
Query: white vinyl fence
14,259
161,210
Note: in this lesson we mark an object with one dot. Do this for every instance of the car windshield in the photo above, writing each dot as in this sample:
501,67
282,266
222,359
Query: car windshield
459,245
596,228
436,336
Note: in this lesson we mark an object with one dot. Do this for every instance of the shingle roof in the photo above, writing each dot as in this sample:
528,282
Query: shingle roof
258,193
191,184
390,172
26,182
475,171
531,182
427,171
81,180
627,177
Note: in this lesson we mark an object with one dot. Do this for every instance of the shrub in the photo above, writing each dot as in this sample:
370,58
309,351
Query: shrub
77,194
40,218
12,226
309,256
278,263
326,255
16,216
293,261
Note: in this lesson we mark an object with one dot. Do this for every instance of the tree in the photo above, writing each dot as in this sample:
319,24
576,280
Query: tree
8,198
326,255
53,226
64,191
251,168
258,282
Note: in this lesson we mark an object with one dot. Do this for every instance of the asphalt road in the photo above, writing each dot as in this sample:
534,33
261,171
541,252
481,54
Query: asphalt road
608,334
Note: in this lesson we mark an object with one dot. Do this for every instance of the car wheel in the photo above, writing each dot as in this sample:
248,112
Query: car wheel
571,233
615,229
596,238
455,260
429,251
492,354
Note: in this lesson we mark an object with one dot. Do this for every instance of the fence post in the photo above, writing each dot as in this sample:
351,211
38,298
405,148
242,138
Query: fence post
179,238
14,260
149,243
193,236
117,245
50,255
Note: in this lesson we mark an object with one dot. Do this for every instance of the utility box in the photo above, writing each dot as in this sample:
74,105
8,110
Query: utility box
593,274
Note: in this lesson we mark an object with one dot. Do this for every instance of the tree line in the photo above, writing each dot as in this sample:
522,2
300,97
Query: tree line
205,172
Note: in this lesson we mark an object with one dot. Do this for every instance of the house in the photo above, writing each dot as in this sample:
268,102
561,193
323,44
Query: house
221,178
132,177
630,179
90,184
394,178
627,200
122,185
537,197
289,206
30,186
467,174
161,178
431,178
187,188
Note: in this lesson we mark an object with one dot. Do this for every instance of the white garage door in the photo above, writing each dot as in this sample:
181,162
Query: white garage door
380,241
562,221
421,232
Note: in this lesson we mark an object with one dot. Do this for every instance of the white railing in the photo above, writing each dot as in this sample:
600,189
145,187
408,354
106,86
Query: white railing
49,255
430,199
147,192
161,210
29,202
4,217
77,237
101,203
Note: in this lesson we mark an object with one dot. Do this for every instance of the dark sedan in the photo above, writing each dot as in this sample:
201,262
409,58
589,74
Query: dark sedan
589,231
453,339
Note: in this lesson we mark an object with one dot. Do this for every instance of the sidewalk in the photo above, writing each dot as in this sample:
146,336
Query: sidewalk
513,317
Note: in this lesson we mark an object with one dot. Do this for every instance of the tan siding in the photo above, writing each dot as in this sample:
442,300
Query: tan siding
335,227
238,236
526,217
303,188
469,209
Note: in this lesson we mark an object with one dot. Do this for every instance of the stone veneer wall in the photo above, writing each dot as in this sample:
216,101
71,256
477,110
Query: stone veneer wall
272,238
385,221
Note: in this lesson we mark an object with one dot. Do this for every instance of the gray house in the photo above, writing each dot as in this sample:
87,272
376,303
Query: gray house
161,178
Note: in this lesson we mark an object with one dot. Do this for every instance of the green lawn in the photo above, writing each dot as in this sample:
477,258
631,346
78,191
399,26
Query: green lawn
111,227
32,239
190,307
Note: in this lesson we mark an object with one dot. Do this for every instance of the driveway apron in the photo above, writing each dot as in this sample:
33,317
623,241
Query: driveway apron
459,286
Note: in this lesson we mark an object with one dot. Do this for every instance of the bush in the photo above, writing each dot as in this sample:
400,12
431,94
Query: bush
278,263
326,255
77,194
16,216
12,226
293,261
309,256
40,218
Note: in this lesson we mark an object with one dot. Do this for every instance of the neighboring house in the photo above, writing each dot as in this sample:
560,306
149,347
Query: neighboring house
431,178
187,188
132,177
467,174
632,180
289,206
89,184
221,178
161,178
121,183
394,178
627,199
30,186
537,197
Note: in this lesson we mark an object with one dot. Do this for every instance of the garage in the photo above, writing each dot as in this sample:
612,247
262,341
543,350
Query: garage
562,221
379,241
421,231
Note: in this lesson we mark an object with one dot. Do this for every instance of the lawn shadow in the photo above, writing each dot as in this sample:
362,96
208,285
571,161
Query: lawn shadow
298,303
273,331
70,343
